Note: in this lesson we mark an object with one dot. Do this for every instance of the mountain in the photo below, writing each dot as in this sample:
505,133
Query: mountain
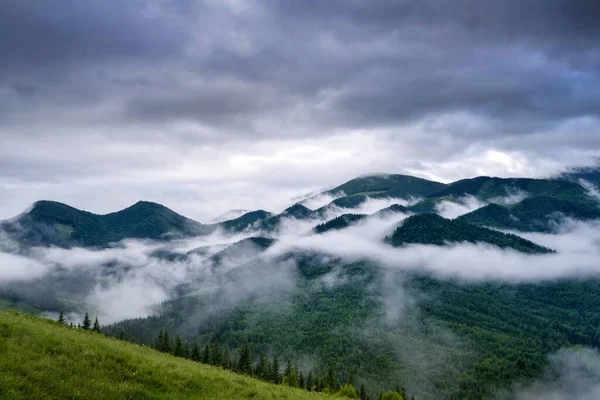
533,214
229,215
297,211
246,221
589,174
383,185
341,222
53,223
243,250
44,360
487,188
436,230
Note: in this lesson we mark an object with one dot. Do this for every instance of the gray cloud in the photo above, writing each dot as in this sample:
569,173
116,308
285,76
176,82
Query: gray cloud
90,91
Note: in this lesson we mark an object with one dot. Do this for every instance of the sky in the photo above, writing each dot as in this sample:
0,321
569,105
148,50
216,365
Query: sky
207,106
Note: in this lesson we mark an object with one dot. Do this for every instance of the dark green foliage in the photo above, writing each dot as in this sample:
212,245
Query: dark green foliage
362,393
96,327
433,229
86,322
244,366
341,222
180,349
310,381
195,354
61,318
206,354
275,377
261,371
216,356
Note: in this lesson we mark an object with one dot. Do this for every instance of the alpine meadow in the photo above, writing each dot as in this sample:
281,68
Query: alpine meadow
366,199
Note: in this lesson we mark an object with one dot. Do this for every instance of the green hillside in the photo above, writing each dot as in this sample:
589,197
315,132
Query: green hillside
486,188
436,230
341,222
388,186
53,223
245,221
533,214
42,360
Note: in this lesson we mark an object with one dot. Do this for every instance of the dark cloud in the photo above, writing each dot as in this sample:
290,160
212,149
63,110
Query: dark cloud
241,85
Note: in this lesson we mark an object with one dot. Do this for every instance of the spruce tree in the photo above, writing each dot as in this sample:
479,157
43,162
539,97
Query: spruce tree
167,345
96,327
61,318
301,381
362,392
196,356
244,366
206,354
159,344
86,322
178,350
226,359
121,335
217,356
261,368
309,381
330,381
275,371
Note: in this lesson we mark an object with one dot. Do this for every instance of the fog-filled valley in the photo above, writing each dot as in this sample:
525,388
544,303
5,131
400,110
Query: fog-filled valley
483,287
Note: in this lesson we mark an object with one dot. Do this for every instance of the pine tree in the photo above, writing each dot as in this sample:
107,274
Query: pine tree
288,368
206,354
301,381
275,371
167,344
244,362
96,327
196,356
86,322
122,335
217,356
226,359
159,344
178,350
61,318
362,392
330,381
261,368
309,381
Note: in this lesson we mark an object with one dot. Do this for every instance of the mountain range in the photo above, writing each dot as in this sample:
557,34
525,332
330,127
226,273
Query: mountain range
308,285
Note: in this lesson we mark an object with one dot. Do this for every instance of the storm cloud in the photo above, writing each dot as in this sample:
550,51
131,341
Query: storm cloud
211,105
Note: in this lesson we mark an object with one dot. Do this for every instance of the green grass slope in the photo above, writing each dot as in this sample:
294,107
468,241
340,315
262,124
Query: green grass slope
42,360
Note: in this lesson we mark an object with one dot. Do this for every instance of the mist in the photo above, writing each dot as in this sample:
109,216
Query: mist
571,374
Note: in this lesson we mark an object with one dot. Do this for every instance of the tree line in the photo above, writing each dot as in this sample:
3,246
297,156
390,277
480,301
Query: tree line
267,369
